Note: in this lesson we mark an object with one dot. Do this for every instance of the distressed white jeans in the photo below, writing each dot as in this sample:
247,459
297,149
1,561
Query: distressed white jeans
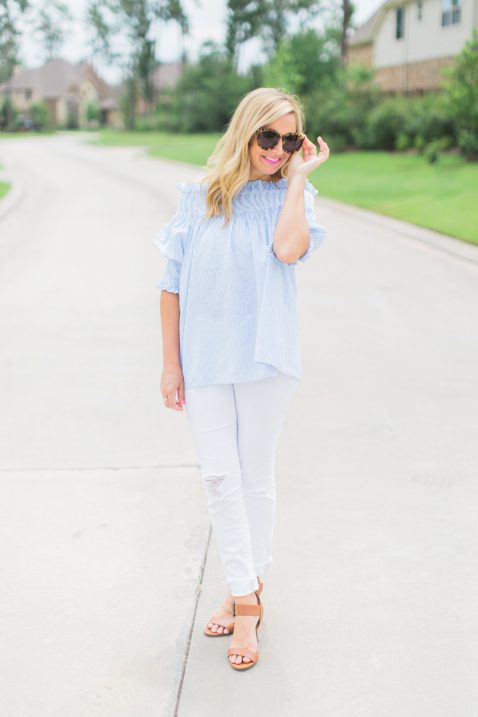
235,429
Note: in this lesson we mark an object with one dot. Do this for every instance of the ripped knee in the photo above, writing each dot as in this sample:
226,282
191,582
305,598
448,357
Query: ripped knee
215,480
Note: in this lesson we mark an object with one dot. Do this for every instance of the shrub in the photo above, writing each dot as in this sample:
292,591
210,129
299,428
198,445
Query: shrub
386,122
403,142
93,112
460,82
468,143
419,143
40,115
7,107
433,148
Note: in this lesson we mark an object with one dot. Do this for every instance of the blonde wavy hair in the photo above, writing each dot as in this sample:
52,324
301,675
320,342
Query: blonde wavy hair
228,166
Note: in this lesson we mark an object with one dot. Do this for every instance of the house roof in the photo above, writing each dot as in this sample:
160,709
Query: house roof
166,74
56,78
366,32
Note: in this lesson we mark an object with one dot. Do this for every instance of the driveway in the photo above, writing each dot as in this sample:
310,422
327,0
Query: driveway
109,570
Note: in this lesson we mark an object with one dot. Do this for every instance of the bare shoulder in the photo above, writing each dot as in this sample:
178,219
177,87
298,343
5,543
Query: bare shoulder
199,178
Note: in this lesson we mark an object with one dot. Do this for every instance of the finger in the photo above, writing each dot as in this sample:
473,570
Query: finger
308,143
172,400
181,393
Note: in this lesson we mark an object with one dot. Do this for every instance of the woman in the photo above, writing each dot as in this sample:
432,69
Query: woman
230,332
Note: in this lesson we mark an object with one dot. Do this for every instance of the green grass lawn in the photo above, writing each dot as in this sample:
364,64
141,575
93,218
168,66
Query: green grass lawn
4,188
441,196
191,148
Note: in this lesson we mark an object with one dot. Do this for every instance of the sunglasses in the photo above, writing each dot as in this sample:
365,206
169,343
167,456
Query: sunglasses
268,138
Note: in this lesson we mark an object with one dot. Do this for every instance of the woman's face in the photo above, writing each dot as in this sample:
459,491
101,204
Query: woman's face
266,162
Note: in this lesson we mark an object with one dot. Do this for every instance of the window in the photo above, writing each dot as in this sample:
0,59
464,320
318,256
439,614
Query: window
419,9
399,22
451,12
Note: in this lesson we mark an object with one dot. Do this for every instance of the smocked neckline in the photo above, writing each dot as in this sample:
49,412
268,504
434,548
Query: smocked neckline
251,185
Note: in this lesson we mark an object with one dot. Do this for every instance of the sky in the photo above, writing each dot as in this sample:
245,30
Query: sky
207,21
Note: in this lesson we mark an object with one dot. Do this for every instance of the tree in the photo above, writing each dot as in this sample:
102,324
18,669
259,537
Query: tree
267,19
243,20
207,93
50,25
9,47
460,83
348,9
135,22
304,62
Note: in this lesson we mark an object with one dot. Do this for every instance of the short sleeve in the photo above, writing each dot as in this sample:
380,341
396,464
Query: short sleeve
171,242
170,278
317,231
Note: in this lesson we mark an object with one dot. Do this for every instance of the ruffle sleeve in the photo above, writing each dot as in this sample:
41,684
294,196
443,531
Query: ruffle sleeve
171,241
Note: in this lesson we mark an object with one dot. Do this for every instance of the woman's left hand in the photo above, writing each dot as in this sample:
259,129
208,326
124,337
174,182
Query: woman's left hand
310,160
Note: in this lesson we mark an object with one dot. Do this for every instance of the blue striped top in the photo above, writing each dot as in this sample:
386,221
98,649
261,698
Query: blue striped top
237,300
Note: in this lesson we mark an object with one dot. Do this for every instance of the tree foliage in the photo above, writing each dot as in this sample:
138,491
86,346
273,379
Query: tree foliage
461,92
206,94
268,20
135,19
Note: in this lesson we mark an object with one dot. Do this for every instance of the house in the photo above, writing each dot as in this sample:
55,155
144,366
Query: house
165,74
408,42
66,89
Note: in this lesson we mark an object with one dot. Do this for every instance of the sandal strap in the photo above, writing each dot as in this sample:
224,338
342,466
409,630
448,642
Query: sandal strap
223,621
248,609
244,652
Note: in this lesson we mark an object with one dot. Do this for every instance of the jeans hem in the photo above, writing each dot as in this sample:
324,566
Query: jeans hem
239,588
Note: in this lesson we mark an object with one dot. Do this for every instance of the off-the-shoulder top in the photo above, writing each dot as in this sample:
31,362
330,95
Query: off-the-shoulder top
237,300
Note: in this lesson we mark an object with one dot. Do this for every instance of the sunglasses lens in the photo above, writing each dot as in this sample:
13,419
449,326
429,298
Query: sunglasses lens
268,138
292,143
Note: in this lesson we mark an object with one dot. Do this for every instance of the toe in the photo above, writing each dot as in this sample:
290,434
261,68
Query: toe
220,629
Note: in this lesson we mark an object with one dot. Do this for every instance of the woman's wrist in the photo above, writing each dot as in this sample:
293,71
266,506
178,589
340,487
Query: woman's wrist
299,179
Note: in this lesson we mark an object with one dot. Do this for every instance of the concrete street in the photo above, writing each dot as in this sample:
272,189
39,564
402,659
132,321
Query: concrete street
108,570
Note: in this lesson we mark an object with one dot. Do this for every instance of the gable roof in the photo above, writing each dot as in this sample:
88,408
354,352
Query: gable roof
367,31
56,78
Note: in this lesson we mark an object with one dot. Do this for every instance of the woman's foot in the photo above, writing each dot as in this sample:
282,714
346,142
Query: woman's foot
226,611
244,629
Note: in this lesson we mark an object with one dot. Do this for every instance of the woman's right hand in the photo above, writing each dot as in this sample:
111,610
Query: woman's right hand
172,387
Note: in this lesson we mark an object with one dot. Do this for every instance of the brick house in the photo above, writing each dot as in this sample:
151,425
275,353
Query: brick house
66,89
407,42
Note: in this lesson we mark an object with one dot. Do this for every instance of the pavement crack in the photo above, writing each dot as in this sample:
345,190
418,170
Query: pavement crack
193,620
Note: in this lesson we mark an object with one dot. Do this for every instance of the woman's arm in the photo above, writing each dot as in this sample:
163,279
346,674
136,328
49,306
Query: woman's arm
292,235
172,381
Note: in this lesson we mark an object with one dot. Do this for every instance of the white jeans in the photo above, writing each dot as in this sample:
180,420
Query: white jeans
235,429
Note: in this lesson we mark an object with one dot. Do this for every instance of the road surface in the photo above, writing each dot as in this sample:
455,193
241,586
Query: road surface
108,568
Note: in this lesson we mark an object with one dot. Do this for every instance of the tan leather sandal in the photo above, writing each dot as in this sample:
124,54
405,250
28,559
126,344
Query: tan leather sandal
253,655
226,622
